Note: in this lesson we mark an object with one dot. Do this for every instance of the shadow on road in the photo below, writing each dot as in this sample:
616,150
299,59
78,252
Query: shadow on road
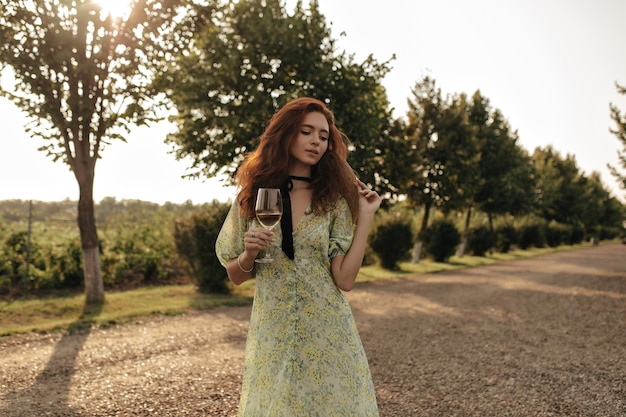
55,380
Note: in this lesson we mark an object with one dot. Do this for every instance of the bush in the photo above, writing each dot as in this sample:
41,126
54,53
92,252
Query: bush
136,247
392,240
195,239
441,239
137,254
608,233
55,266
558,234
23,263
506,238
480,240
577,234
532,235
66,268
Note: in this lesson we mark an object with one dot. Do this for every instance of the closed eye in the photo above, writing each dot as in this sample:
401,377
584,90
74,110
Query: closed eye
323,138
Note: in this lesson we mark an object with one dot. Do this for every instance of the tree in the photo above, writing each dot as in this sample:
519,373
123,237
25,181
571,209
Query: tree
439,131
416,180
82,76
599,208
561,188
620,134
507,177
248,59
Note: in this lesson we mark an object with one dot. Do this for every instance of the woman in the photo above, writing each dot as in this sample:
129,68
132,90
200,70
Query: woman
303,354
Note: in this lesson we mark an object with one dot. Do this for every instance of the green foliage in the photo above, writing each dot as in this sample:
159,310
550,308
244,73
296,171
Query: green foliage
16,250
137,247
506,238
507,177
562,187
620,133
31,267
480,240
138,254
444,149
392,239
22,261
72,64
532,234
66,266
83,78
195,239
577,235
606,233
441,239
251,57
558,234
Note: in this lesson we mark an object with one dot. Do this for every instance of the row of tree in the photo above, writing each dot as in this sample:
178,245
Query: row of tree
457,153
143,243
222,69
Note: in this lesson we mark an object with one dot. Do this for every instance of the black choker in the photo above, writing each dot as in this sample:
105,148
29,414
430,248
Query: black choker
289,183
295,177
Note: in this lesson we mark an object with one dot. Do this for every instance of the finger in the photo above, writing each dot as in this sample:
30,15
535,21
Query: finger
360,185
364,190
367,192
258,237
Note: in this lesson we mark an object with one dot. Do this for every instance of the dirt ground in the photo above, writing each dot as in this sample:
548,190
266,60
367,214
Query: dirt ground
536,337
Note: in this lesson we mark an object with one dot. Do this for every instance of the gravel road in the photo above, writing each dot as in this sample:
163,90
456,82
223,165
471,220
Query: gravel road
537,337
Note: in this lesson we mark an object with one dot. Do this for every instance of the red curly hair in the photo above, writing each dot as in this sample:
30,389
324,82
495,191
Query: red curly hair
268,164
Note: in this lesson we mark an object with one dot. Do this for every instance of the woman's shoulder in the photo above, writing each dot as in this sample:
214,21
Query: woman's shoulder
339,206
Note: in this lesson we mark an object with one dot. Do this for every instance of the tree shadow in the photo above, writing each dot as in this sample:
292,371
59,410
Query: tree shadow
49,393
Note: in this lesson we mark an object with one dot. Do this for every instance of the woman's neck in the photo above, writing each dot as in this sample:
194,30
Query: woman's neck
299,171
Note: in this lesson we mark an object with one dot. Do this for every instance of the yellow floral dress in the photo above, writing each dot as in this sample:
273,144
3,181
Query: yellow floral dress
303,356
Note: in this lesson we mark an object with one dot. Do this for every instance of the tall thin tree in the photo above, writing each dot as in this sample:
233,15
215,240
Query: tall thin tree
620,133
82,76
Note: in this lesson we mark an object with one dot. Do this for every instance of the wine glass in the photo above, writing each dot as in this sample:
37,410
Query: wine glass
269,210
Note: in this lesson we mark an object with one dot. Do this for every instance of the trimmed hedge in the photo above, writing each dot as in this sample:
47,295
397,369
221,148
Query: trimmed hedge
392,240
441,239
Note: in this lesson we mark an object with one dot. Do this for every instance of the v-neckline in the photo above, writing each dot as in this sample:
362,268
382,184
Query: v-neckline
301,213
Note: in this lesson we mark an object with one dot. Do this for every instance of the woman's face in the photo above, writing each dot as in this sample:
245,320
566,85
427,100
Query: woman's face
311,142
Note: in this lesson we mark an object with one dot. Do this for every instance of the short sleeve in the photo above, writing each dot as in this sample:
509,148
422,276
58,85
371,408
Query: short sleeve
341,229
229,243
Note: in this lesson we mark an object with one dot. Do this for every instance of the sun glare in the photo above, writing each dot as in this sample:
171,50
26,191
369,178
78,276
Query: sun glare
115,8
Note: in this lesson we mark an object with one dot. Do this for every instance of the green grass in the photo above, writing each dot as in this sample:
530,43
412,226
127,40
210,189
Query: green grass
68,312
426,266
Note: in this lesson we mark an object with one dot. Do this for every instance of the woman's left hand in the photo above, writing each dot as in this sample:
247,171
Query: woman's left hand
369,200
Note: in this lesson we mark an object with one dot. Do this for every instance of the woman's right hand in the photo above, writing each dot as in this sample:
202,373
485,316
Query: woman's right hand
257,239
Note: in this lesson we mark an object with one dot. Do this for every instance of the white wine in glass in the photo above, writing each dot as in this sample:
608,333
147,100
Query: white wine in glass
269,210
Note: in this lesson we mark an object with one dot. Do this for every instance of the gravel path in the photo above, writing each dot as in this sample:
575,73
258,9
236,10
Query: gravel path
537,337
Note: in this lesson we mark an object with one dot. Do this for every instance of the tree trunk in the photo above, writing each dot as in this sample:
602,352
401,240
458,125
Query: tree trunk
417,247
490,217
461,249
94,286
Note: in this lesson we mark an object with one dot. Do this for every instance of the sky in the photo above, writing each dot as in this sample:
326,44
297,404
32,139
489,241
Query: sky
550,67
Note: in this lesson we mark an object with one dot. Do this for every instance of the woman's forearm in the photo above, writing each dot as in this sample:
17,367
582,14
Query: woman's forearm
240,269
346,268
